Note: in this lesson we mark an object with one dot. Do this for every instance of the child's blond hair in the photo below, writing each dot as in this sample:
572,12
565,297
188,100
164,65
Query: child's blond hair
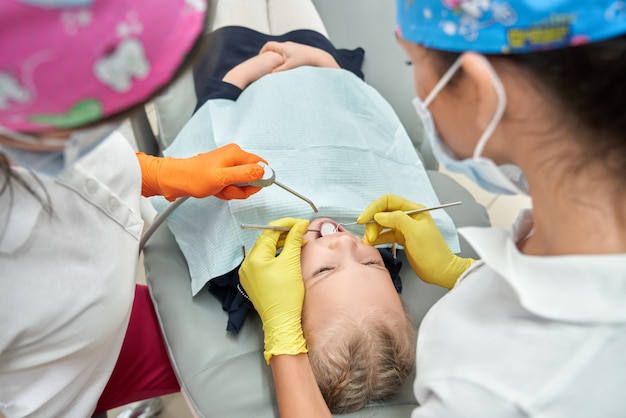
359,363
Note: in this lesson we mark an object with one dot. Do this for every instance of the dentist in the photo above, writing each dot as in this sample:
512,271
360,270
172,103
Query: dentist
523,96
77,336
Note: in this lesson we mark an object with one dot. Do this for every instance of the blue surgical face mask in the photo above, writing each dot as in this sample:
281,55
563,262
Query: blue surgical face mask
505,179
68,151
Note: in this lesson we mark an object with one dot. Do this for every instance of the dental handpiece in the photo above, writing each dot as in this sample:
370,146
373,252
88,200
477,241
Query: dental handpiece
268,178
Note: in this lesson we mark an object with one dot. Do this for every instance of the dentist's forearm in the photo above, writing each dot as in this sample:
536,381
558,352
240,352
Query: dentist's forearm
297,392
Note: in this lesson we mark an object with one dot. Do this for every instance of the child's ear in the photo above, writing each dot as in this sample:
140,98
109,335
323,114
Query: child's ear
478,72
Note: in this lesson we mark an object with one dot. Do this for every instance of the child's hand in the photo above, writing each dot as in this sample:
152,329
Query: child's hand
253,68
298,55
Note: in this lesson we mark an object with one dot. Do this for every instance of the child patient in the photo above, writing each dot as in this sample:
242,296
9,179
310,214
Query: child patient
361,341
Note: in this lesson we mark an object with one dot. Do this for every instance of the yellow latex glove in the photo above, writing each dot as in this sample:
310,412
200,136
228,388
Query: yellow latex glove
212,173
275,287
427,251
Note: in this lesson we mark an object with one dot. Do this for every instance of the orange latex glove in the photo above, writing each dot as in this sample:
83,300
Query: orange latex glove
213,173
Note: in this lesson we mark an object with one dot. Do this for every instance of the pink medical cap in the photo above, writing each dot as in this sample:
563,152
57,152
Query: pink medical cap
66,63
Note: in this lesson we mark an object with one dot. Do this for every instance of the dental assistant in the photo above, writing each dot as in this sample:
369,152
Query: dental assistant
522,96
77,336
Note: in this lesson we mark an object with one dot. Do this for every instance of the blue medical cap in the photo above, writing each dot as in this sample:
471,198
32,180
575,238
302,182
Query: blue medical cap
514,26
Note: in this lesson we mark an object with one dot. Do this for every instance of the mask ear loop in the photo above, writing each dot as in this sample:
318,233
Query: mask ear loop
445,79
497,116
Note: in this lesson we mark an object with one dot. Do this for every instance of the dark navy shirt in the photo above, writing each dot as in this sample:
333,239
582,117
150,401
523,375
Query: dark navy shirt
232,45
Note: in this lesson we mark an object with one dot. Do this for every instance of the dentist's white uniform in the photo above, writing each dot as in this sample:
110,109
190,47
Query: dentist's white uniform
525,336
67,281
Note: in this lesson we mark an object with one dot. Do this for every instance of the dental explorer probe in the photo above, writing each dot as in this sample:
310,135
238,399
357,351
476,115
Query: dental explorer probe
272,228
410,212
269,178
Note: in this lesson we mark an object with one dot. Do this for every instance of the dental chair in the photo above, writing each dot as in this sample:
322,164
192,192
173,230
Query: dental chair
224,374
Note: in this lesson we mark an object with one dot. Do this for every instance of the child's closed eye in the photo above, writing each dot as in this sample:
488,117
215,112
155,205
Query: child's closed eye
323,270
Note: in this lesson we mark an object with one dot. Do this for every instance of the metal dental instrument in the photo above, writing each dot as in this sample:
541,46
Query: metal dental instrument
409,212
293,192
272,228
325,228
269,178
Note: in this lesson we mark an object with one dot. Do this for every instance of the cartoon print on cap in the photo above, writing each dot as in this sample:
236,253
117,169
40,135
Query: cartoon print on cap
476,15
83,112
553,32
128,60
11,90
616,11
118,69
70,62
75,19
132,26
198,5
508,26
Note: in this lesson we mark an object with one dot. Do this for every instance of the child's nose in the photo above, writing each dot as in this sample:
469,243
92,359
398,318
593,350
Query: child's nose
343,241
